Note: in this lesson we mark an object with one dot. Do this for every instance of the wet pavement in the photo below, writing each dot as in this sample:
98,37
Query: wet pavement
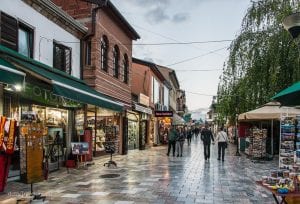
149,176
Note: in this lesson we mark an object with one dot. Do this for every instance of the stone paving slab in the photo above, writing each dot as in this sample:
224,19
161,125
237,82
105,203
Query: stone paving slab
149,176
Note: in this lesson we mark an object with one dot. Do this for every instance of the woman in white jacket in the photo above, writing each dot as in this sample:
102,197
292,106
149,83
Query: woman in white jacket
222,140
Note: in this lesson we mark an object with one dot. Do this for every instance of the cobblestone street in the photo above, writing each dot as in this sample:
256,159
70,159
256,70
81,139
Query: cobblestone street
150,176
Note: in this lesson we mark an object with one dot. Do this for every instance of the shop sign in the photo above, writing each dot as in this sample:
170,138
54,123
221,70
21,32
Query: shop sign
163,113
45,96
143,99
142,109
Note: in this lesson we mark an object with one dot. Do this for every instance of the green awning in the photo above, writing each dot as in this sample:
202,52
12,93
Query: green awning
63,84
289,96
9,74
75,90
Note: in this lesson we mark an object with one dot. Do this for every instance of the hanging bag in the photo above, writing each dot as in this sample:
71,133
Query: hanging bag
225,141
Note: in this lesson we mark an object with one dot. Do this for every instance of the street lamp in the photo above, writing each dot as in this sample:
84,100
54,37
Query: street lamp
292,24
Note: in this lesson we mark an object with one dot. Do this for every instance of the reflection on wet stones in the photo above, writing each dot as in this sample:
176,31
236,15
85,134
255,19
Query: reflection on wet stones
110,176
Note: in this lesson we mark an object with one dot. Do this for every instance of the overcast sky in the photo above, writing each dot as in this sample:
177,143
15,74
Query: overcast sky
175,21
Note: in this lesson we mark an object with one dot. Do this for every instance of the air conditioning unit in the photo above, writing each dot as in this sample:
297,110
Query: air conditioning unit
157,106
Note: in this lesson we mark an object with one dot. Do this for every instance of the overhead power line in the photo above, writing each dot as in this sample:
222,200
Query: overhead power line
183,43
201,94
196,70
192,58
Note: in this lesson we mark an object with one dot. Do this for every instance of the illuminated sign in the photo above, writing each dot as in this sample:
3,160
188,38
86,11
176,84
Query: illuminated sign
163,113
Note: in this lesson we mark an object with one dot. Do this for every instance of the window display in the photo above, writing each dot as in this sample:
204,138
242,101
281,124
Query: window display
54,143
97,119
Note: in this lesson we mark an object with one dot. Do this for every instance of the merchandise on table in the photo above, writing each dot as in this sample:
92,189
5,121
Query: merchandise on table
284,181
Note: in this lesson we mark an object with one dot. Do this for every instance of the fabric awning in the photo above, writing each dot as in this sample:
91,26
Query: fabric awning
9,74
289,96
269,111
177,120
63,84
73,89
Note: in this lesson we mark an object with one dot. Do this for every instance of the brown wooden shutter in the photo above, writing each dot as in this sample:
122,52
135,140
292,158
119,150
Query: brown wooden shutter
8,31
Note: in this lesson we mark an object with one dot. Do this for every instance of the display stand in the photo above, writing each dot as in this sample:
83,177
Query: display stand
31,150
256,147
287,139
111,144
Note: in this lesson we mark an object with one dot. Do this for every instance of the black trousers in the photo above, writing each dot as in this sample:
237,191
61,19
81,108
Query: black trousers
189,139
171,144
206,151
221,148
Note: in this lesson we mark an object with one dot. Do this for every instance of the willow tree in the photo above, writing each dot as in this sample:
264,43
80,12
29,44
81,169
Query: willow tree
263,59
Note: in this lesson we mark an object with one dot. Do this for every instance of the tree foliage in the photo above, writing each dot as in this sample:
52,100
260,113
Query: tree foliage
263,59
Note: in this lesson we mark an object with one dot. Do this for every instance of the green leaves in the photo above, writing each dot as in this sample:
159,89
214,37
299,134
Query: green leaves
263,59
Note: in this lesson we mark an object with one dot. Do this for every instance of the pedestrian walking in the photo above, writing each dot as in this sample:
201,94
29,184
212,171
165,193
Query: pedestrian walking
180,142
189,135
172,136
196,131
207,137
222,140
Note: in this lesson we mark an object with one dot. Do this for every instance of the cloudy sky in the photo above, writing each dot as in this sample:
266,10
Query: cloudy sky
176,22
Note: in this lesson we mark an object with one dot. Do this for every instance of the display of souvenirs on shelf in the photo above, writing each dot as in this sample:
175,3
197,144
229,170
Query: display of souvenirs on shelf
100,139
31,151
287,143
257,142
284,181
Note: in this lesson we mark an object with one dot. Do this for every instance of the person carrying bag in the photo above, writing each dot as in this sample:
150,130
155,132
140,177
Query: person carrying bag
222,139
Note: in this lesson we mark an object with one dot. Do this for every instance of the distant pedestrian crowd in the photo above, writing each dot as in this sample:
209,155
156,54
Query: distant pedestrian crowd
178,134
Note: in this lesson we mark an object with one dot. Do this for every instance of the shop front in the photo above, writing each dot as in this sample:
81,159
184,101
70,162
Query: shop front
164,121
104,124
45,108
144,114
133,130
36,104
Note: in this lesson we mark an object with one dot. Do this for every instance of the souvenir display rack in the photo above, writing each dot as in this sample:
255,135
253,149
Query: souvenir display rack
31,151
287,143
297,141
256,143
111,137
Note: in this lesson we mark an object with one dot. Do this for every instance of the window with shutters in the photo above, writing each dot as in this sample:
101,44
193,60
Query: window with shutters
16,35
62,57
116,58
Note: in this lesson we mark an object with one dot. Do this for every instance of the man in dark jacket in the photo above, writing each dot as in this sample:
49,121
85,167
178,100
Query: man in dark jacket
206,137
172,136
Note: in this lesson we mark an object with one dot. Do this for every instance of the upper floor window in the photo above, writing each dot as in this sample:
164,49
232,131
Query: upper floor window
25,40
16,35
125,69
88,50
104,53
62,57
116,58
